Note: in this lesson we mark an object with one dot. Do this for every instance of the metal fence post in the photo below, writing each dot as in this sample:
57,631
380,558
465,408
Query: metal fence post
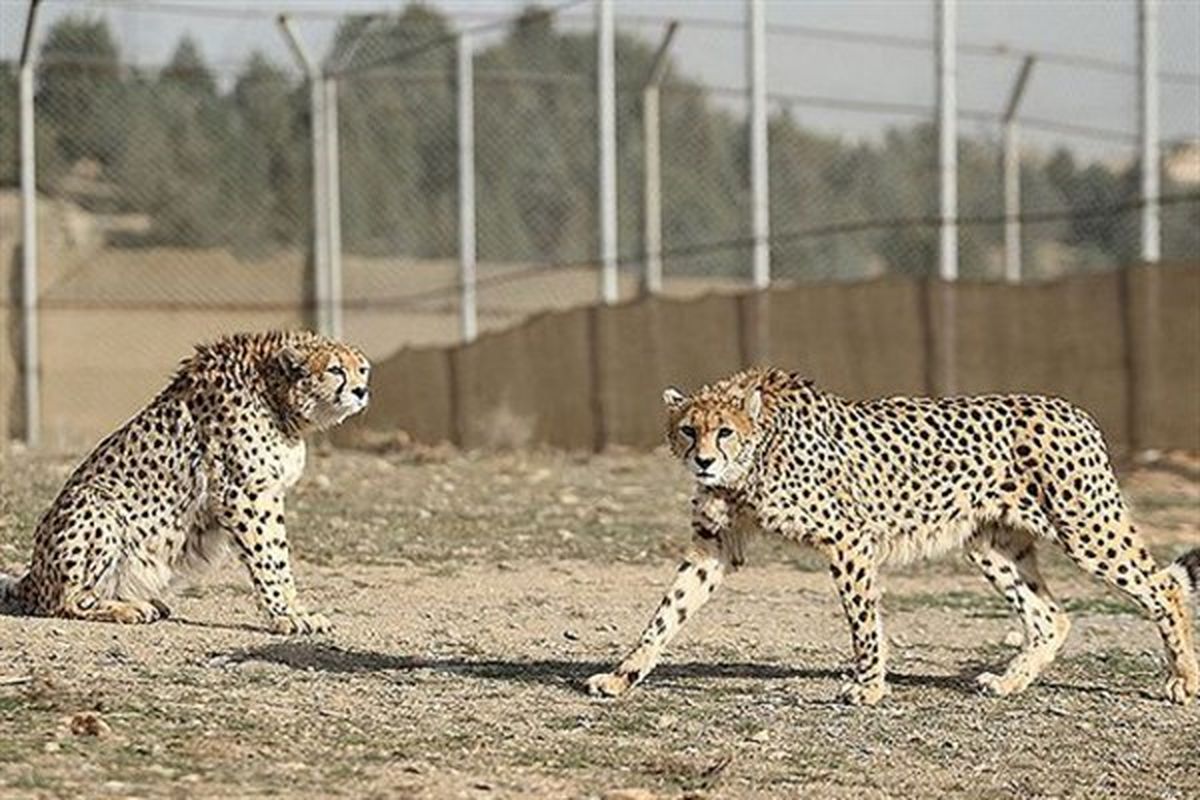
652,166
333,208
947,103
1012,177
756,63
30,355
607,132
1148,128
466,187
320,191
947,194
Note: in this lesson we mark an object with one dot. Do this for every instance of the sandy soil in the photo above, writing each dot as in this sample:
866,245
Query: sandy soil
472,595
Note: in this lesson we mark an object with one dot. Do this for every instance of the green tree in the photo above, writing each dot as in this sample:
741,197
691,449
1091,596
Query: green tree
187,71
9,133
79,91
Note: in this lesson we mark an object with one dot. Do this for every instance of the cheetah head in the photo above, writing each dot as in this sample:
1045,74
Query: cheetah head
326,384
715,435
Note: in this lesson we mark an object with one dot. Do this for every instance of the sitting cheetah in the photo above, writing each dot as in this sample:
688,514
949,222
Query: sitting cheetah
903,478
205,464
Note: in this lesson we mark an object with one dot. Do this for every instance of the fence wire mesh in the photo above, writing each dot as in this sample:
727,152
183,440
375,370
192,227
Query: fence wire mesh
175,164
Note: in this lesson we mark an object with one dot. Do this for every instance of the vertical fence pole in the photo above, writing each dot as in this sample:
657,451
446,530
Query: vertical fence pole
606,112
320,202
1012,177
466,187
30,355
1148,128
947,194
320,190
947,103
333,208
652,166
1012,202
756,63
652,192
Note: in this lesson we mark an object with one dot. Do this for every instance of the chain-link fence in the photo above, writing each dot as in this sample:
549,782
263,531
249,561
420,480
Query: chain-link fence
178,181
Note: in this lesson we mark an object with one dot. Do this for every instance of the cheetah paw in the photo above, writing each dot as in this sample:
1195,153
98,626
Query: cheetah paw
137,612
864,694
300,623
991,683
1002,685
1178,691
608,684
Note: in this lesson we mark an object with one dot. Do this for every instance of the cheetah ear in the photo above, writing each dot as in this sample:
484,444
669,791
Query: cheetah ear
753,404
292,362
673,398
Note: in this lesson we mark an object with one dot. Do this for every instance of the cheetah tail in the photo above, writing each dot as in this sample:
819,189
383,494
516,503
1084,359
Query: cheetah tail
1187,568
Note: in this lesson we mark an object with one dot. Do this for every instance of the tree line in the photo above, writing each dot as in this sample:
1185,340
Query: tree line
213,162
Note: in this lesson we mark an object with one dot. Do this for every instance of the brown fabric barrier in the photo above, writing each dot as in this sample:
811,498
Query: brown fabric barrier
1164,326
1063,338
1125,345
528,385
643,347
858,340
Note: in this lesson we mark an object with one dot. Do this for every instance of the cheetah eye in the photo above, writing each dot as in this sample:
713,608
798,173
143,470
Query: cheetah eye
337,369
724,433
688,431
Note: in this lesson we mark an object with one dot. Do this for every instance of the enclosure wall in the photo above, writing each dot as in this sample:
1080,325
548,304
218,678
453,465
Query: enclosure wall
1114,343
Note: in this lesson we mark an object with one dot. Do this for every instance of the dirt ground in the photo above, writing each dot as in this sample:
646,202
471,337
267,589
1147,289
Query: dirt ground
473,594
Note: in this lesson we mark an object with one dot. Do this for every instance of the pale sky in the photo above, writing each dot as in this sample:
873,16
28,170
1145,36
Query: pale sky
799,63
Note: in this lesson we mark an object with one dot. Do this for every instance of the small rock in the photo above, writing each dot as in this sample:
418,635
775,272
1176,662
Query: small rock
665,721
571,635
1014,639
323,482
761,736
89,723
51,747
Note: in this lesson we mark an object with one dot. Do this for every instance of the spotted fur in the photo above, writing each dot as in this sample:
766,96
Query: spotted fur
905,478
204,466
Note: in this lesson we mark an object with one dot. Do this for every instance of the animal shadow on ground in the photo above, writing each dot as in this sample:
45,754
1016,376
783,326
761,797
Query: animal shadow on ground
550,672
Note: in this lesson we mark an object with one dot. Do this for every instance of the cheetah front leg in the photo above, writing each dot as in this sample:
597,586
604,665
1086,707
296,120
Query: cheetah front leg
698,577
696,580
855,571
255,521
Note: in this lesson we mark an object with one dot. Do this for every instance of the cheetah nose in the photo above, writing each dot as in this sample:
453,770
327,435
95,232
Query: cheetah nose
704,463
359,391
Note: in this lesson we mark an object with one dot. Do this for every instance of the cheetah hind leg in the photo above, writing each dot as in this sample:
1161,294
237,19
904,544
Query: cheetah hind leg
1008,559
1163,594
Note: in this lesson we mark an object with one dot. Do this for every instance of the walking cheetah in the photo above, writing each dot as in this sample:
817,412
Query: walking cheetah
903,478
205,464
